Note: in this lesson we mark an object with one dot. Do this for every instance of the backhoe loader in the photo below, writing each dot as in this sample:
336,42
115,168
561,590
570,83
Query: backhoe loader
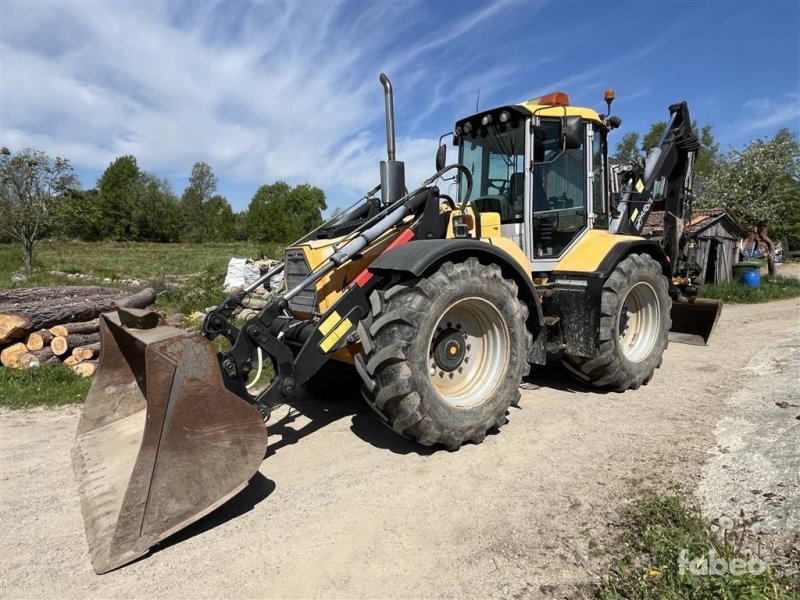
439,297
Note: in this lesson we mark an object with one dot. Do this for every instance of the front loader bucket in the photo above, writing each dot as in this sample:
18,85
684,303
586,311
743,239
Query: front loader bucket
693,322
161,441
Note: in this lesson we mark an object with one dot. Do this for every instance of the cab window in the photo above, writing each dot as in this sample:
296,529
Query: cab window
559,192
496,157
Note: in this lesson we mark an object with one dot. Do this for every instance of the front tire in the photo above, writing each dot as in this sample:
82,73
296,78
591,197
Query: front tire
634,327
443,355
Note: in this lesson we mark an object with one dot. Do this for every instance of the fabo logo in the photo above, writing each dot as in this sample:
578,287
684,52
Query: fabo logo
712,564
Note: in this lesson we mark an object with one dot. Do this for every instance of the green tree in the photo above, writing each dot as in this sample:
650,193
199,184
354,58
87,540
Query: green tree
651,137
202,185
627,150
33,185
116,189
220,222
760,184
280,213
708,155
79,216
156,214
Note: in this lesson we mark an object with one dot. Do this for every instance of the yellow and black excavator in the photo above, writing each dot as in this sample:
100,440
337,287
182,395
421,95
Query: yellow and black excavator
439,302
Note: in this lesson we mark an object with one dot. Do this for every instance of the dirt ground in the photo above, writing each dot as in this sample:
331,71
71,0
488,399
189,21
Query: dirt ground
342,507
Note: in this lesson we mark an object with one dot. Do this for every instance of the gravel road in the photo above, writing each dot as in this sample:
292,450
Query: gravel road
344,508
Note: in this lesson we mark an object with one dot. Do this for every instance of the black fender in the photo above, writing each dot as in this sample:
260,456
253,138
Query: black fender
628,247
418,257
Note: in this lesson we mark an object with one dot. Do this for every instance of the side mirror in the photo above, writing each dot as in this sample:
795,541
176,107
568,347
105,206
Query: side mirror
572,133
441,157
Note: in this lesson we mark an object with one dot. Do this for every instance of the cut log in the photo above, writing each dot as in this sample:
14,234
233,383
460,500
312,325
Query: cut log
73,341
59,330
10,355
58,313
71,361
59,345
27,300
92,326
46,357
13,326
85,369
27,360
86,352
38,340
83,340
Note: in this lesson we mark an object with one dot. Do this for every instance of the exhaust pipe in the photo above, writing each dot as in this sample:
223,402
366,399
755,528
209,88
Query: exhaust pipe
393,181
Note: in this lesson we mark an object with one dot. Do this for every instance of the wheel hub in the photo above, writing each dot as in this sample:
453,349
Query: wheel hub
468,352
639,322
449,350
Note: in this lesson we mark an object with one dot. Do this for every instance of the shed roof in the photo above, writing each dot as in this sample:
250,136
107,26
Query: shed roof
702,218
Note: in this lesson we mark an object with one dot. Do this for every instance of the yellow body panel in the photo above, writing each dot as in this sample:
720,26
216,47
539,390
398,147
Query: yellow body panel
545,110
490,225
329,289
591,249
511,248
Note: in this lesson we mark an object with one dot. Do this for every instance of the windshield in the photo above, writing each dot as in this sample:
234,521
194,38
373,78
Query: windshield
496,158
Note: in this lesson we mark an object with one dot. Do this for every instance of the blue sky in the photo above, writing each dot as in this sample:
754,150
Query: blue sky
289,90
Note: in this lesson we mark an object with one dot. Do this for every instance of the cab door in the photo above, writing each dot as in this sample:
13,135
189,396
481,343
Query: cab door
560,188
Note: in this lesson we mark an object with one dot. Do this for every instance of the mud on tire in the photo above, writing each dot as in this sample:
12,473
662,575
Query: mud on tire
634,325
417,345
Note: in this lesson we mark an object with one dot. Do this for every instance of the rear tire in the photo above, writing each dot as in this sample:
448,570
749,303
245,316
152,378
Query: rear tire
634,326
443,355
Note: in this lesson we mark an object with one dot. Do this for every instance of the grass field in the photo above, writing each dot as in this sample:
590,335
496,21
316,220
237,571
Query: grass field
188,277
771,288
46,386
123,260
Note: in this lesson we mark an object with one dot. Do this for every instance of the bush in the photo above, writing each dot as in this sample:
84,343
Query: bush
195,294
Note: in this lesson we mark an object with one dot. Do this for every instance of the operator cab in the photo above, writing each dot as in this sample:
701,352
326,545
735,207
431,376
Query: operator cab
540,165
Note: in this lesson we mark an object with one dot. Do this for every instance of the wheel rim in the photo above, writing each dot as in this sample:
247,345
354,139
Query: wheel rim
639,322
468,352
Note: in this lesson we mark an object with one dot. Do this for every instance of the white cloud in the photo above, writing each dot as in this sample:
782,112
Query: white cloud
768,113
261,91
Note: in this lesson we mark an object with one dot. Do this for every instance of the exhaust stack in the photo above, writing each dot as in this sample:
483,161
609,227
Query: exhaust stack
393,181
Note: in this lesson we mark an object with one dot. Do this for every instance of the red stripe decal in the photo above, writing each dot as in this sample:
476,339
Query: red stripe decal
401,239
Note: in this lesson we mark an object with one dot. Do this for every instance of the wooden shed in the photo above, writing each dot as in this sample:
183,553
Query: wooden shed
718,237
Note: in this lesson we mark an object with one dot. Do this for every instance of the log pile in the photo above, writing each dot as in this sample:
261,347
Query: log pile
59,325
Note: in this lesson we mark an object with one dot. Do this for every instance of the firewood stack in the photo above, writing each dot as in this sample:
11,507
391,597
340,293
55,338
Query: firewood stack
59,325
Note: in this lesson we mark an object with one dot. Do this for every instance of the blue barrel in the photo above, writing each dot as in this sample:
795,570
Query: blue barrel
751,278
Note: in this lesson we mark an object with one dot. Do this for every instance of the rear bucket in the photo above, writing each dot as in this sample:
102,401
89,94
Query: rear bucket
161,441
694,322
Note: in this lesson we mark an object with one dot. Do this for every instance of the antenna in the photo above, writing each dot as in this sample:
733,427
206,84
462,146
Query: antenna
478,100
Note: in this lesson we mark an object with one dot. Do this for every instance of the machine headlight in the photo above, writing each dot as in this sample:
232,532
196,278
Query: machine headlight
504,117
486,119
467,127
